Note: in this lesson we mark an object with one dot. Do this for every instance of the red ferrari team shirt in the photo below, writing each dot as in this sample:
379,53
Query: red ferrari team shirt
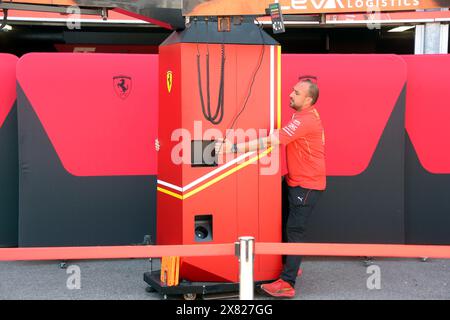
304,139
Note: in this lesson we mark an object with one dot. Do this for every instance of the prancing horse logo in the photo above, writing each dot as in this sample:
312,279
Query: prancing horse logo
122,86
169,80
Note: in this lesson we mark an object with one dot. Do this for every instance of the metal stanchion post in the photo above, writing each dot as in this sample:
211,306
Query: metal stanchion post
246,249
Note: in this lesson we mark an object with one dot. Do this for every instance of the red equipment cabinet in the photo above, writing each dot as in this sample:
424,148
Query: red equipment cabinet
237,197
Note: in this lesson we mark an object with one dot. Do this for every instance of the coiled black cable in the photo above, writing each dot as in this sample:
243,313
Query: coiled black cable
260,60
5,18
206,109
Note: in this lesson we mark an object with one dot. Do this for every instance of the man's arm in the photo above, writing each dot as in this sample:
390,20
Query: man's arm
295,129
253,145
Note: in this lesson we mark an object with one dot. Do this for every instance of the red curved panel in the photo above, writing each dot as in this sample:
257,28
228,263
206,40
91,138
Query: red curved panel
427,110
357,96
8,81
98,110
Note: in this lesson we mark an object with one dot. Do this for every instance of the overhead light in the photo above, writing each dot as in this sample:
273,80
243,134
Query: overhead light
7,28
401,29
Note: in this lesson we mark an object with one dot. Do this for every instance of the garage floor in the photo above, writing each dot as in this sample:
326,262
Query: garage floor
323,278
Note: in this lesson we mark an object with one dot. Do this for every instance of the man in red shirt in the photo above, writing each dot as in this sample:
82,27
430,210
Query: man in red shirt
304,139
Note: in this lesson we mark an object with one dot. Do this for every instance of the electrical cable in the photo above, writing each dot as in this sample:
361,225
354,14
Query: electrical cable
220,109
220,105
261,57
5,18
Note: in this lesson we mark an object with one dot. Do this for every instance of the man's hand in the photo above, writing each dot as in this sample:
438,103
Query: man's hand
223,147
157,145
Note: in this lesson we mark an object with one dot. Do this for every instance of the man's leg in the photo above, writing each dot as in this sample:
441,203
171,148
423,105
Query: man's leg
301,204
285,212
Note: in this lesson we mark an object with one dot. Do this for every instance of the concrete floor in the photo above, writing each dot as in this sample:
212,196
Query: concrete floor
323,278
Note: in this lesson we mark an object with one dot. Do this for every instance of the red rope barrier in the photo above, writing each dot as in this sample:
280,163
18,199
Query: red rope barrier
354,250
305,249
118,252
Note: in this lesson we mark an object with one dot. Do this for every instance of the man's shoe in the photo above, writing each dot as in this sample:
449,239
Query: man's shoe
279,288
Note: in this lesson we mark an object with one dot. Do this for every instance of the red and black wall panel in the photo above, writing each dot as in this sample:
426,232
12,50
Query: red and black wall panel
87,124
428,150
8,152
362,106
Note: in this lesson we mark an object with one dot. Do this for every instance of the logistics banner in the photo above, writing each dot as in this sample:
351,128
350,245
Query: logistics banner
257,7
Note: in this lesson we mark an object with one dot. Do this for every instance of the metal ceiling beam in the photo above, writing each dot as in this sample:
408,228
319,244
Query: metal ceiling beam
47,8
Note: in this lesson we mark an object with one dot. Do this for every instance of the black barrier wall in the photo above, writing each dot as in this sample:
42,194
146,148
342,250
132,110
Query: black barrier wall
401,196
86,171
362,111
9,184
369,207
8,152
427,164
397,194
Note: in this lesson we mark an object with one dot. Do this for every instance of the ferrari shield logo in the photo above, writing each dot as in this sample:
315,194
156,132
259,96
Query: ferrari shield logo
122,86
169,80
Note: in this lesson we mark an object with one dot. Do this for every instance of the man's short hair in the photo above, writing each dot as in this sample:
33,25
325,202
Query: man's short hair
313,88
